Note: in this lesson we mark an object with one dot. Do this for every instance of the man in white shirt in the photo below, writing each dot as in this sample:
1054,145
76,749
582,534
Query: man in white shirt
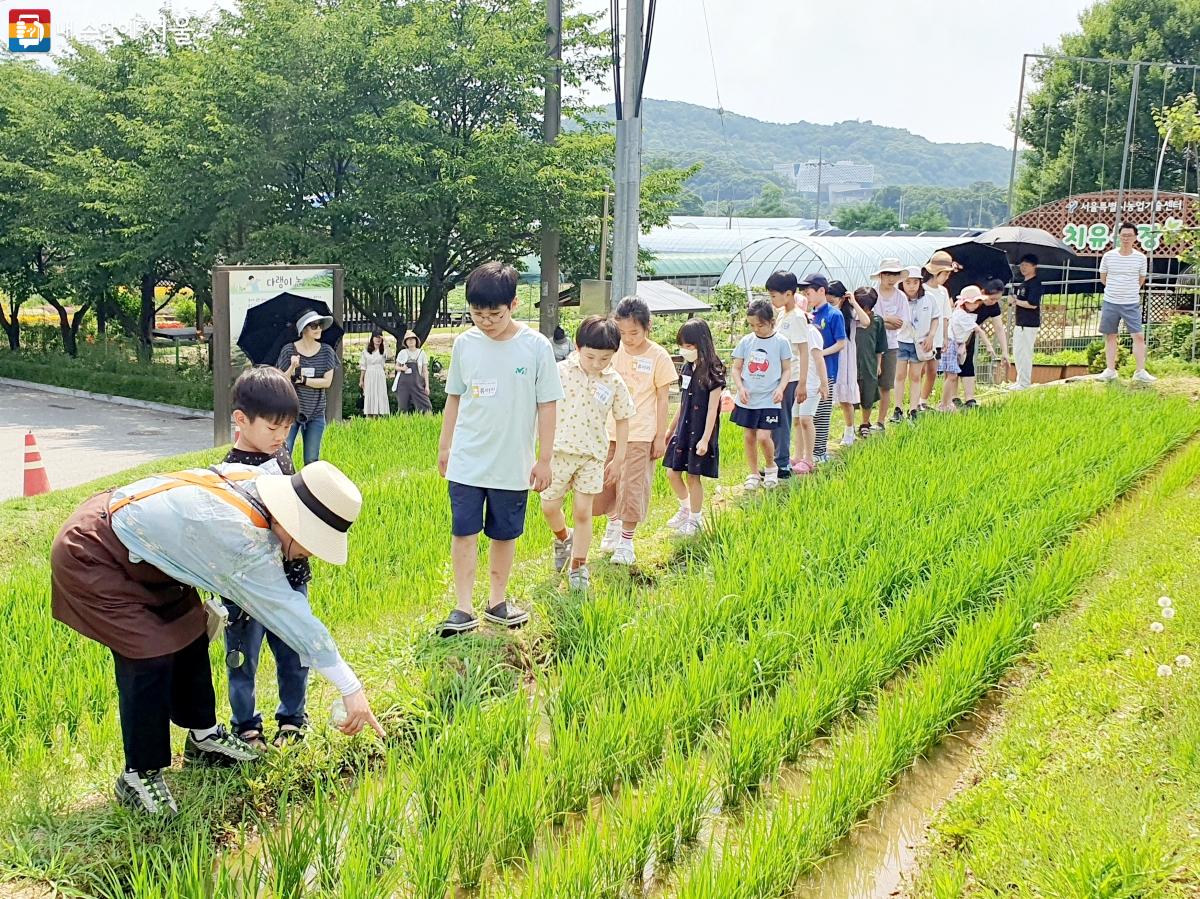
1123,274
793,326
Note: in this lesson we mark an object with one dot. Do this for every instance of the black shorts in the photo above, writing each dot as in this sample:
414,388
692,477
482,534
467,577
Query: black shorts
967,368
500,514
756,419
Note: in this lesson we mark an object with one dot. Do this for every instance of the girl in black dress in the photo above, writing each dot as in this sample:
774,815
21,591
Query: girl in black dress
695,432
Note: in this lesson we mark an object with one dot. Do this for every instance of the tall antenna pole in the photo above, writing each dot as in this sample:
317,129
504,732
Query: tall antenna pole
1133,96
1012,167
551,122
626,224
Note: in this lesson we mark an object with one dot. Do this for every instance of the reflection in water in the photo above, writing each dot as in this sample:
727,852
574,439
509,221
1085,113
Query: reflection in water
870,863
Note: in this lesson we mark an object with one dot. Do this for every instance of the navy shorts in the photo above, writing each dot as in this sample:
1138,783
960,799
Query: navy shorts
500,514
757,419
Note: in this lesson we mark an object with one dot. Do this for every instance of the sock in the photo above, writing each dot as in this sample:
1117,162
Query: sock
684,506
772,471
577,563
203,733
562,535
626,536
697,517
614,520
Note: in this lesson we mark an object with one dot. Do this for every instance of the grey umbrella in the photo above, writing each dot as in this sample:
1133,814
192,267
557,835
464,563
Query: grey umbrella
1017,242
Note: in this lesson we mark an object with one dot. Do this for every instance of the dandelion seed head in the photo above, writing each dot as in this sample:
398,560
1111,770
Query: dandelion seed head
1164,670
1036,625
1168,612
1164,601
1156,626
1183,661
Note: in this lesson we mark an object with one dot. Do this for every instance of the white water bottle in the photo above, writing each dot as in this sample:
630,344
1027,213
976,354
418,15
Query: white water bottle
337,713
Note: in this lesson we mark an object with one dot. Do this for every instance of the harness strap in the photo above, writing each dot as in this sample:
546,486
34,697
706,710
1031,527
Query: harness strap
213,483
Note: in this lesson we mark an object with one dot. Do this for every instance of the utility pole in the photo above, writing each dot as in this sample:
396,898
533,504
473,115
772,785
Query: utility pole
1133,98
551,120
626,225
820,165
604,238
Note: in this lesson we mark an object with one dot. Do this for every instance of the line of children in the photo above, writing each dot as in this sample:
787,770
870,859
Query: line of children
694,450
762,366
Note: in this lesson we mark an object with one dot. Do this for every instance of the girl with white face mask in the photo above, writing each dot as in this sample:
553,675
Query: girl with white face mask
694,446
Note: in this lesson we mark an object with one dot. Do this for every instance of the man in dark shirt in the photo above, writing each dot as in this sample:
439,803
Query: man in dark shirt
1027,299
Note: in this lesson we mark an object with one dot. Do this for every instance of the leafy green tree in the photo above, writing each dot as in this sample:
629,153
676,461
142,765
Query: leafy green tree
770,204
865,217
930,219
1074,123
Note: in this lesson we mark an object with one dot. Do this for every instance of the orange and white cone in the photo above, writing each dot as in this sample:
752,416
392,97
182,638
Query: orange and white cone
36,481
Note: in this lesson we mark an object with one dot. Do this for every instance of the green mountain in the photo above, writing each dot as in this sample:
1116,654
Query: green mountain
740,157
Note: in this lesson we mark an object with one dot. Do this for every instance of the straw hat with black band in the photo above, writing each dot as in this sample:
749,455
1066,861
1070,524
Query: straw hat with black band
941,261
312,317
316,506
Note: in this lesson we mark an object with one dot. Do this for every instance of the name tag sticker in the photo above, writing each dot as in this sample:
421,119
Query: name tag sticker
687,381
483,389
643,366
308,372
602,393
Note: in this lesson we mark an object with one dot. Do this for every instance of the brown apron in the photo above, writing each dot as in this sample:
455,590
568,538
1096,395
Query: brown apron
132,608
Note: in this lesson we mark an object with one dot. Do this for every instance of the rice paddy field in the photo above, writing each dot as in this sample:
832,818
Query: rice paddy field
710,723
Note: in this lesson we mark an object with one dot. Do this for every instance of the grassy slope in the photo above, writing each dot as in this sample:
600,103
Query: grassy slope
1089,785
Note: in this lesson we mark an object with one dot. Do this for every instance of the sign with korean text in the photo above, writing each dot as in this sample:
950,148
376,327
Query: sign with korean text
1088,222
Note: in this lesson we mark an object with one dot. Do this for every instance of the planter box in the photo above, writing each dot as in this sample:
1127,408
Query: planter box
1044,374
1076,371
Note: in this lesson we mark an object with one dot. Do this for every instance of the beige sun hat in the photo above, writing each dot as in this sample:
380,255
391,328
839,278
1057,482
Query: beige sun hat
970,294
410,335
316,506
889,265
941,261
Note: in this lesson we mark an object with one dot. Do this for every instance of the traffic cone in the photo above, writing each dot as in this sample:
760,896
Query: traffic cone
36,481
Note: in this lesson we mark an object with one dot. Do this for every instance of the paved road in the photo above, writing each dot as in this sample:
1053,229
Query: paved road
82,440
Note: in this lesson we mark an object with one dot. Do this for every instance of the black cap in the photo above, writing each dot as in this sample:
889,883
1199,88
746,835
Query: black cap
836,289
815,281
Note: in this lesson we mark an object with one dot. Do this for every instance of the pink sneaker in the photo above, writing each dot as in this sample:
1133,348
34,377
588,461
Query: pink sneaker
802,467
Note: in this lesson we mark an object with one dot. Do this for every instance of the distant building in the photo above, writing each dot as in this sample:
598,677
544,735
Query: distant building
838,181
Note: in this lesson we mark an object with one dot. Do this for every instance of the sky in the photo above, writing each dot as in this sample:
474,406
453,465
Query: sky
945,69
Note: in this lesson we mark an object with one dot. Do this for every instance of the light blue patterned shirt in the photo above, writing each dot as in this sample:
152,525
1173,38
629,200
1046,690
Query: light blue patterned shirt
209,544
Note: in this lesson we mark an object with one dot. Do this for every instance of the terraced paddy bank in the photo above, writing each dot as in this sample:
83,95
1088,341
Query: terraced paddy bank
763,685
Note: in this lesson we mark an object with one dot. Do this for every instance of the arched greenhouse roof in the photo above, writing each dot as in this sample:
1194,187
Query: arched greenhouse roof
850,260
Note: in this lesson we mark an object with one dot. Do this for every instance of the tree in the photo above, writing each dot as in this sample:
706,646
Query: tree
865,217
931,219
1074,123
769,204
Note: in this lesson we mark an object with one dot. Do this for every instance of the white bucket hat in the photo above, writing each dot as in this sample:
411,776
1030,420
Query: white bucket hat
889,266
316,506
313,317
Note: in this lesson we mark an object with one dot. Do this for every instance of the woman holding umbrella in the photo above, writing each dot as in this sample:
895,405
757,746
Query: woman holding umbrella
310,364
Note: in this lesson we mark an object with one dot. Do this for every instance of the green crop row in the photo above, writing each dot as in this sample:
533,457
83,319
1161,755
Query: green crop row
468,799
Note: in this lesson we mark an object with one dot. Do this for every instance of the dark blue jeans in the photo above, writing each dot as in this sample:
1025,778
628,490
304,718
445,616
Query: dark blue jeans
312,431
244,634
783,433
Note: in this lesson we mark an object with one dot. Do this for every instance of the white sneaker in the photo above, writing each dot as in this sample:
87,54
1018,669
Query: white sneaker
1016,386
679,519
623,554
771,478
1109,374
612,536
1143,377
579,579
848,437
753,482
691,527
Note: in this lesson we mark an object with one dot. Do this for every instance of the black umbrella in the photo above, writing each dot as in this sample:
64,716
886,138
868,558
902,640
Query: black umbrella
272,323
980,263
1017,242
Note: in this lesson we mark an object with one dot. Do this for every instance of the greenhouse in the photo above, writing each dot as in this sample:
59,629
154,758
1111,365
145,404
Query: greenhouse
850,260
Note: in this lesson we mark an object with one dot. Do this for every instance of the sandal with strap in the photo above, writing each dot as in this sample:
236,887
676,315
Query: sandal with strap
255,739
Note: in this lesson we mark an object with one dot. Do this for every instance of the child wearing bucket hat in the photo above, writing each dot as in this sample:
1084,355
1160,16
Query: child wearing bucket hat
411,384
938,269
964,321
125,571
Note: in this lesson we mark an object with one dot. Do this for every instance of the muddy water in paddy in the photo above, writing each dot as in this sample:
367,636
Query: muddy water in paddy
872,862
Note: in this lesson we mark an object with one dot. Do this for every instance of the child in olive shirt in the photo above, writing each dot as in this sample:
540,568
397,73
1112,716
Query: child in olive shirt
871,346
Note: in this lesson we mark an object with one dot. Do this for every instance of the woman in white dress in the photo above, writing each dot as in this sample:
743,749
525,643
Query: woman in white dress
372,378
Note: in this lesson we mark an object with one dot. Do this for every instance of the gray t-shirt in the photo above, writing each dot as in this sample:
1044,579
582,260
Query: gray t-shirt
762,368
312,399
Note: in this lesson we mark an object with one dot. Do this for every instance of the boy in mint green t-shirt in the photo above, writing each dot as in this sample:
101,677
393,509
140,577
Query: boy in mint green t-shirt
497,438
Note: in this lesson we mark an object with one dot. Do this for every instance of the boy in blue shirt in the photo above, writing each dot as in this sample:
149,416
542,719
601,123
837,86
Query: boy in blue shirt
832,325
501,394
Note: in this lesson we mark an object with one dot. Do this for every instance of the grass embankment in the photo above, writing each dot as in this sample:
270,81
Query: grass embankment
1088,786
696,676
